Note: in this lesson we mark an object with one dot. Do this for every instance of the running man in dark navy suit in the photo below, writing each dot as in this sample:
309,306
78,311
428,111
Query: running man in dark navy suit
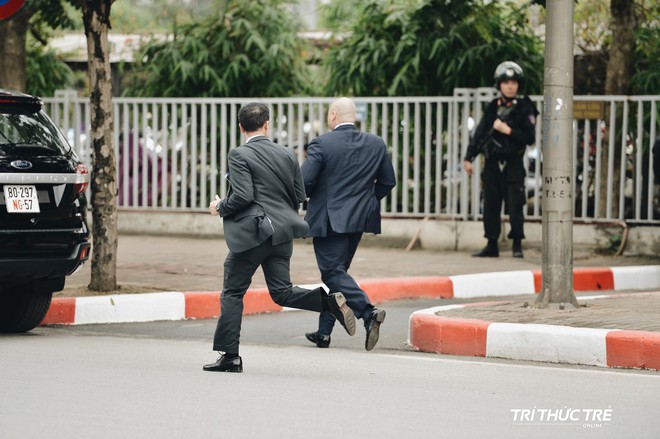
346,174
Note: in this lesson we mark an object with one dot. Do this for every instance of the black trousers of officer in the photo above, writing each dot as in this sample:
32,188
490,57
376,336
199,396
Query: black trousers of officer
504,181
239,268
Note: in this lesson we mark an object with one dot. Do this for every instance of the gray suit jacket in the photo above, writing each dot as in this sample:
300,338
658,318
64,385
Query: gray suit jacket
264,197
346,173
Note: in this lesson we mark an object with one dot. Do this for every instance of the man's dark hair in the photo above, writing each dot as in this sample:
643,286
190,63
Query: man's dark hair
253,116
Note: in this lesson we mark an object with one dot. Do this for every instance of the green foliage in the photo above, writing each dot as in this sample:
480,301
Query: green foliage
157,16
52,14
150,16
592,30
593,33
247,49
337,15
44,72
429,47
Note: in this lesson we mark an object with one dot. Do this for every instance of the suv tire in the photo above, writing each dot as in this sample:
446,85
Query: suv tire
23,307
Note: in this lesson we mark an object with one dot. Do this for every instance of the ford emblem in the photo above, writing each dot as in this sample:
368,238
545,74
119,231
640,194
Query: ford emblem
21,164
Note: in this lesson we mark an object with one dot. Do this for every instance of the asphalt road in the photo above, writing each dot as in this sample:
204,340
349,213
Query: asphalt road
145,381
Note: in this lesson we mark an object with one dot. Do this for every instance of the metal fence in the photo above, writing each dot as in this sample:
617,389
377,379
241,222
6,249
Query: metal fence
172,152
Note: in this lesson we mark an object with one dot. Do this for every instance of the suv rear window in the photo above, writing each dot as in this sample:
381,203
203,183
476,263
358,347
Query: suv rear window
29,133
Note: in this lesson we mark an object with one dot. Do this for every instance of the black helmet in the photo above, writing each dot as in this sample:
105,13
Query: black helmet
508,70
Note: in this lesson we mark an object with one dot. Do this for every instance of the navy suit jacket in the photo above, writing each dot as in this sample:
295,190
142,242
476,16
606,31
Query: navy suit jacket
346,174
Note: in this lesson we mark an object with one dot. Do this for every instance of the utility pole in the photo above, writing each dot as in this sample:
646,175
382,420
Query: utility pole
557,266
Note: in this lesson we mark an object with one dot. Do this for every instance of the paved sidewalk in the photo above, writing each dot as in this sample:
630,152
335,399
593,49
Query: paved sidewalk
184,275
166,263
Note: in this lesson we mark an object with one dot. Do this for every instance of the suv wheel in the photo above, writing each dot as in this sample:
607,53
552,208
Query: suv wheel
23,307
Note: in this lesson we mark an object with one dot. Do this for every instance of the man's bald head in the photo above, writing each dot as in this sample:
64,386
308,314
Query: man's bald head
341,111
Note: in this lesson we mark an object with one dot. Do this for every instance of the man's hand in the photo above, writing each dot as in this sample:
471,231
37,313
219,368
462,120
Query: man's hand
213,206
502,127
467,165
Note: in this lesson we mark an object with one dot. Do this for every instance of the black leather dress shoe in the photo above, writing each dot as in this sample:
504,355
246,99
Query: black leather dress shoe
224,364
321,341
372,326
340,310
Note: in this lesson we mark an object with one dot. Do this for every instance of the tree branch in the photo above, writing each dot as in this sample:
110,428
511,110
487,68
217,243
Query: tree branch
37,35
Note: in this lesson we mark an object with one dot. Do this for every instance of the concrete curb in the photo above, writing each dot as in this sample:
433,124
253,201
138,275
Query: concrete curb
430,332
124,308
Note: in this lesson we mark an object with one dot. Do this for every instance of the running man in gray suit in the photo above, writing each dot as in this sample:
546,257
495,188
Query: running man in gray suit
346,174
260,218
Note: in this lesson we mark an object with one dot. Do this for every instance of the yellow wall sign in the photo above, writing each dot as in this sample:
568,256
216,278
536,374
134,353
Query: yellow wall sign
588,110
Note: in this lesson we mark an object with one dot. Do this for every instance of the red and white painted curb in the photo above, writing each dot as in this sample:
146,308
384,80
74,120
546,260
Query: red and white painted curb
429,331
123,308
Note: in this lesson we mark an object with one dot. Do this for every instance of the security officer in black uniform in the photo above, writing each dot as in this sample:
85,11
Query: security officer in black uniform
502,136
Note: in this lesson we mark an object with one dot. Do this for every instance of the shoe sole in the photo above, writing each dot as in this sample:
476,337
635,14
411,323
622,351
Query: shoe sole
233,370
373,335
348,317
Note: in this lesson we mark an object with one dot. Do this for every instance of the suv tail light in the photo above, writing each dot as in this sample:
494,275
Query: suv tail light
83,179
84,253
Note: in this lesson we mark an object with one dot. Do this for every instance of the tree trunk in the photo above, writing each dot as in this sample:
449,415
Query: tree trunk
13,33
619,66
617,82
96,18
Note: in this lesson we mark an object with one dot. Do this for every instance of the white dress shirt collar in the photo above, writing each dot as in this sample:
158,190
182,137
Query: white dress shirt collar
254,137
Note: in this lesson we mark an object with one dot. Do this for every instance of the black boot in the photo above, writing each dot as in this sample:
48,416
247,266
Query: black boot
517,248
490,251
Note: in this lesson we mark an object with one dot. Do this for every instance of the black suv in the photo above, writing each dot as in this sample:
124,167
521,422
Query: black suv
43,225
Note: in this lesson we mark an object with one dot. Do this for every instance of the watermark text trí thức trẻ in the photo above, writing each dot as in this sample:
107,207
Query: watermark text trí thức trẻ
587,417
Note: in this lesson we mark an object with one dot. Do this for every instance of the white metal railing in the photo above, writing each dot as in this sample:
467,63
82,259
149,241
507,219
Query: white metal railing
172,152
